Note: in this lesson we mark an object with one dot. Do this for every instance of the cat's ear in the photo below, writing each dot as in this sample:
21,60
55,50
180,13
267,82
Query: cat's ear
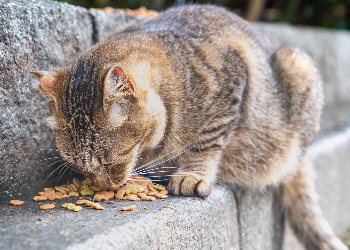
117,80
51,82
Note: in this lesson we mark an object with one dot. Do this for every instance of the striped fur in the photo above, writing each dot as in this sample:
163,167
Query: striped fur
205,94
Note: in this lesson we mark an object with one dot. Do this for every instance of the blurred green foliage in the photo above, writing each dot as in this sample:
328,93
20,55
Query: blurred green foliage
323,13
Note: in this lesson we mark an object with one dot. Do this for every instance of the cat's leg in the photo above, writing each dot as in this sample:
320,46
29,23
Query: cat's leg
199,165
304,213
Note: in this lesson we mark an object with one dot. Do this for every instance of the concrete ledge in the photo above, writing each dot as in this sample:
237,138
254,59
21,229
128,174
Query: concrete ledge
45,35
228,219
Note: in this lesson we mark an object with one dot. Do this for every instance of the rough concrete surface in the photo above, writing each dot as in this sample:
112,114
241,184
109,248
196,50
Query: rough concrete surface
191,223
107,24
33,36
37,35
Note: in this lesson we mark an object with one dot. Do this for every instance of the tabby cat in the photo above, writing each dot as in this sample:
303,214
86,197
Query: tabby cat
201,92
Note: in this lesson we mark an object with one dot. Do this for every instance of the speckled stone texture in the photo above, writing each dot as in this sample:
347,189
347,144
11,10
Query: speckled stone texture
37,35
34,35
107,24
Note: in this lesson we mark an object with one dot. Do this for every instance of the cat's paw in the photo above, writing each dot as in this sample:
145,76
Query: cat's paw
190,185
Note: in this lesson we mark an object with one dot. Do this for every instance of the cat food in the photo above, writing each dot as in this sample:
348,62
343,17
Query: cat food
81,202
77,183
97,206
120,193
47,206
96,189
164,191
16,202
139,189
161,196
72,207
129,208
40,198
100,197
159,187
59,189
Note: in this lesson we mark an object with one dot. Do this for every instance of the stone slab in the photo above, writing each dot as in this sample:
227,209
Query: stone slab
34,35
191,223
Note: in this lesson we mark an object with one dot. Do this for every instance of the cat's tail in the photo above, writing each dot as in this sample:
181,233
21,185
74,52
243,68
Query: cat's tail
304,213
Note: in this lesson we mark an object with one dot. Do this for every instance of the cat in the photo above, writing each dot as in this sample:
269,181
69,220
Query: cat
202,90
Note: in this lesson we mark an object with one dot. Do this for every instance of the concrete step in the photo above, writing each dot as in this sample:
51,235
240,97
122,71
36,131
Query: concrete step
228,219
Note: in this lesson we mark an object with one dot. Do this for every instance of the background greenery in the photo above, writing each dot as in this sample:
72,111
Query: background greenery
323,13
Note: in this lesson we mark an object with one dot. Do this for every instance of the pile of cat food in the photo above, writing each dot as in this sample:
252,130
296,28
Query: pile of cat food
142,11
141,188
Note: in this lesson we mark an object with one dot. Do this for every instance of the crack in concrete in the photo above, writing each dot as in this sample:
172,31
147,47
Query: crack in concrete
94,36
240,230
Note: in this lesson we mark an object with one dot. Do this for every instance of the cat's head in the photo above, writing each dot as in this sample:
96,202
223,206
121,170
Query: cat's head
102,118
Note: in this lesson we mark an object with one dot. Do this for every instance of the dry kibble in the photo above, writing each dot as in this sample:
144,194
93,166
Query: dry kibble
130,182
73,193
100,197
85,190
120,193
49,190
130,197
96,189
81,202
70,188
159,187
152,193
50,196
89,203
161,196
72,207
77,183
60,189
110,194
16,202
140,189
129,208
104,193
130,189
75,188
141,194
164,192
58,195
47,206
97,206
147,198
88,182
151,187
40,198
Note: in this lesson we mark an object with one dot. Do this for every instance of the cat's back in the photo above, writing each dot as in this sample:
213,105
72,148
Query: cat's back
202,24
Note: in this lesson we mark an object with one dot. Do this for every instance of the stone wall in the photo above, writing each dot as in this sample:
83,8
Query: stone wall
38,35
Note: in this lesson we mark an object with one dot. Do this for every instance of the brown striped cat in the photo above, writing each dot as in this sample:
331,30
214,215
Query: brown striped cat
200,92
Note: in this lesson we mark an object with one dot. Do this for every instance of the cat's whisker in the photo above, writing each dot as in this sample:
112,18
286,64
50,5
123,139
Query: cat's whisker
54,163
180,170
165,155
63,171
71,168
143,169
57,157
55,170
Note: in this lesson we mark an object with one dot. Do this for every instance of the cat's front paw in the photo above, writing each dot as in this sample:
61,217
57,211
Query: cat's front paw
189,184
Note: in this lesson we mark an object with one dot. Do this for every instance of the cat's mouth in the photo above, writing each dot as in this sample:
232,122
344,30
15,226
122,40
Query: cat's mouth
108,177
